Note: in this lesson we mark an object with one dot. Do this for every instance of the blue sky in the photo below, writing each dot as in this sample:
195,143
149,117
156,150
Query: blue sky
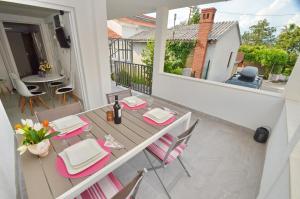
248,12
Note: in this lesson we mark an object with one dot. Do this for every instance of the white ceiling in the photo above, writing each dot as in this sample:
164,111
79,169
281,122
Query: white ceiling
121,8
25,10
115,8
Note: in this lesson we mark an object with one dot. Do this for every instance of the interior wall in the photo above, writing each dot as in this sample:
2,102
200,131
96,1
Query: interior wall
64,56
19,53
7,157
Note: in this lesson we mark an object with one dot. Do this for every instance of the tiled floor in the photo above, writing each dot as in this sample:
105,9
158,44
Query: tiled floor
11,105
223,159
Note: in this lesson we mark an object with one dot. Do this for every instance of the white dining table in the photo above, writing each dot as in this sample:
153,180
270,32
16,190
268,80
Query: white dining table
41,177
34,79
37,79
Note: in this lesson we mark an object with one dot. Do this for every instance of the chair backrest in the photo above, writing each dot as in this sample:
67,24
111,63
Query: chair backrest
13,78
122,94
182,138
22,88
130,190
59,112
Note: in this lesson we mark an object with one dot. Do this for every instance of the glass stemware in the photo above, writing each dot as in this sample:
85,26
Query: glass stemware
87,130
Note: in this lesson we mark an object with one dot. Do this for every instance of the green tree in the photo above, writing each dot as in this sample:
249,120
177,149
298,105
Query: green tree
273,60
148,53
289,39
195,16
260,34
175,56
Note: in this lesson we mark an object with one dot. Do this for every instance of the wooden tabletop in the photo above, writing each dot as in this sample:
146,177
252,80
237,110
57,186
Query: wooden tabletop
40,175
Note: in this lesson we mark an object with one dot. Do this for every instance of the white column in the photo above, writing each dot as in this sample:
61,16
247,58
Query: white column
292,91
160,44
7,157
102,45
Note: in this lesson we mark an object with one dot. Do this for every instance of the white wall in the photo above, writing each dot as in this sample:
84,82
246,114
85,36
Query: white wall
7,157
246,107
138,48
209,57
274,159
228,43
63,55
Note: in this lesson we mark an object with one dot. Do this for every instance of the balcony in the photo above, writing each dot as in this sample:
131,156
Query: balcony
224,160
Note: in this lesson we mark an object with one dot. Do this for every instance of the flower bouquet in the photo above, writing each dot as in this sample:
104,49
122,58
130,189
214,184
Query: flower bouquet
44,68
35,137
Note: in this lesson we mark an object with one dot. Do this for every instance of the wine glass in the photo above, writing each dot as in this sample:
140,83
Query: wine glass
87,130
149,99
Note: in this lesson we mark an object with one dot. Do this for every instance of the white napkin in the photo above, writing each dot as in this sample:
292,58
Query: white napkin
111,142
158,115
133,101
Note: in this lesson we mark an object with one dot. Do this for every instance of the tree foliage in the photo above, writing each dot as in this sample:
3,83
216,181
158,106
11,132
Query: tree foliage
289,39
260,34
273,60
175,56
195,16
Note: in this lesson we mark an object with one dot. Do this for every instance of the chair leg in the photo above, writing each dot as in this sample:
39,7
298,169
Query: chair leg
31,106
43,102
22,103
75,98
183,166
64,98
157,174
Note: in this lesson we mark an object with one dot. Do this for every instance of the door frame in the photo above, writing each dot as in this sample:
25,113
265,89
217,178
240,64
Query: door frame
12,67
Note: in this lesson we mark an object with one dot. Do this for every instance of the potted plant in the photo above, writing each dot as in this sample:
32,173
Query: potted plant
35,137
44,68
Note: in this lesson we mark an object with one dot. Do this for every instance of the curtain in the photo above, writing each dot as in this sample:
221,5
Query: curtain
38,45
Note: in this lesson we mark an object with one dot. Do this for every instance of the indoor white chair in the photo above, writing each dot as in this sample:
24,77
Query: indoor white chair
31,96
30,87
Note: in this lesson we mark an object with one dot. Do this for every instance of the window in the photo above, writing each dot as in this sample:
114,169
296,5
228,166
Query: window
229,60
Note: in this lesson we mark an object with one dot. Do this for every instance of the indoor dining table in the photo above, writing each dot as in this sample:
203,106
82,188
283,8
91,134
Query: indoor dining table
33,79
41,178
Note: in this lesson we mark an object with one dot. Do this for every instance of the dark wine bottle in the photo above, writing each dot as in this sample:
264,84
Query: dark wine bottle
117,111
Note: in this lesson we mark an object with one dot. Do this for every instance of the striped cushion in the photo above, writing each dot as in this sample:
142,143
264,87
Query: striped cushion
161,146
104,189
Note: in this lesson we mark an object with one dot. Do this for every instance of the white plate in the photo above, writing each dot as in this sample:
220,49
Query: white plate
67,124
133,101
158,115
82,155
83,151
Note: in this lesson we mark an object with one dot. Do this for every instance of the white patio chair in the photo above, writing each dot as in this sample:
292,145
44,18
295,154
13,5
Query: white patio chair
30,95
110,187
59,112
121,94
169,148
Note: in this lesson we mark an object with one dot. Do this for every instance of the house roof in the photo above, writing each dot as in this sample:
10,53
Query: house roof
140,20
112,34
189,32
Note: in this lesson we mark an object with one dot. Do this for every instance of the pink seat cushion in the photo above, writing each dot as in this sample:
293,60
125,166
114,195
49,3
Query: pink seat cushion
160,147
104,189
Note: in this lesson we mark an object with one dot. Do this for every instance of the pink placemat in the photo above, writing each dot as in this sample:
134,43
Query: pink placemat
73,133
125,106
62,170
169,121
